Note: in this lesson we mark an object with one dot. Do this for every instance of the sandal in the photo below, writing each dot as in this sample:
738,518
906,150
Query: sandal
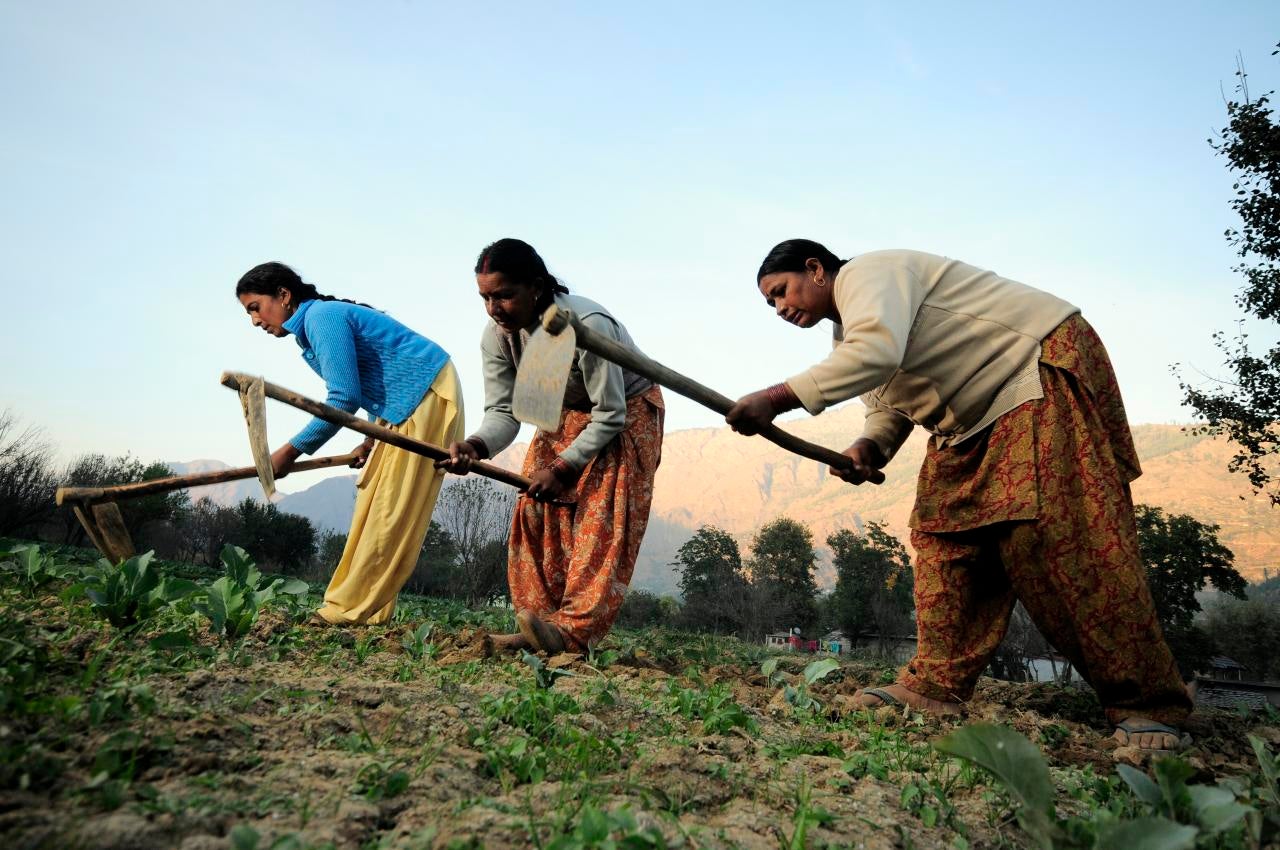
1134,727
881,694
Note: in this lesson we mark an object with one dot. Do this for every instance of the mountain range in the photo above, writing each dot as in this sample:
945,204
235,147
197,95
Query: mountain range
711,476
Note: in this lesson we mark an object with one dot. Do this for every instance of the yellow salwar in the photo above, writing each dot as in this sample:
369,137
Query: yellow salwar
394,500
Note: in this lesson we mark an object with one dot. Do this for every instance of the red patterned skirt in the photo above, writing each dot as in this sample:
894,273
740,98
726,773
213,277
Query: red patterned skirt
571,564
1038,509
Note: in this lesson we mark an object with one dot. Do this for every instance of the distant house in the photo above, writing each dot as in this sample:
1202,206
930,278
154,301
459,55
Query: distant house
897,649
1231,694
836,642
793,641
777,640
1223,684
1224,669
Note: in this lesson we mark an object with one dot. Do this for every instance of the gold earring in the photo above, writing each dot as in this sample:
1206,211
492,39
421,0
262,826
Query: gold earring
817,281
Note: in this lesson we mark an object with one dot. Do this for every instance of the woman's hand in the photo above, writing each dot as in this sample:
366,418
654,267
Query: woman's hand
282,459
361,453
752,413
461,455
866,458
546,486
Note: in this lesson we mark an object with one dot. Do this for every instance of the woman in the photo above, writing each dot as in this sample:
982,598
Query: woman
1024,490
577,531
367,359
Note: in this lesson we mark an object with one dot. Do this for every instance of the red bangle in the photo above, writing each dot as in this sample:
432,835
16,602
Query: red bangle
782,397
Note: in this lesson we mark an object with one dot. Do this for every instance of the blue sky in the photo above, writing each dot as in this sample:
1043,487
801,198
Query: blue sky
152,152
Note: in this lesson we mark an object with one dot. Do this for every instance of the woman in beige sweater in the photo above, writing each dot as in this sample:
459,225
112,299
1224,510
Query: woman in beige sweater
1024,490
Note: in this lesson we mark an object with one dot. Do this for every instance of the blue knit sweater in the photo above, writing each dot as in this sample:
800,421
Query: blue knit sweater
367,359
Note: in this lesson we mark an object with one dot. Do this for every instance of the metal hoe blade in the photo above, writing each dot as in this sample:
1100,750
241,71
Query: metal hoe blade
542,377
253,400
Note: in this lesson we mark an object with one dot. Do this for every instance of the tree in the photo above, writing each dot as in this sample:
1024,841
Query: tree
284,540
712,583
27,479
642,610
1182,556
329,548
1247,407
1021,643
436,571
1248,631
874,583
782,560
99,470
477,515
204,529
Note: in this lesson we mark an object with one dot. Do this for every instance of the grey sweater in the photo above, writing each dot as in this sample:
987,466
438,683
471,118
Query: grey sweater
594,384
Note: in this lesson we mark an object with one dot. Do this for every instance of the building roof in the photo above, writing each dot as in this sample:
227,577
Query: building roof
1222,662
1221,697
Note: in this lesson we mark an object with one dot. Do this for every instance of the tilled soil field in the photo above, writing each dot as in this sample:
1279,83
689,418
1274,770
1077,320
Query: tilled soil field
409,736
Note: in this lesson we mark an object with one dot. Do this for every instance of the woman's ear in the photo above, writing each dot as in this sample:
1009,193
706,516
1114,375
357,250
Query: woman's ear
813,265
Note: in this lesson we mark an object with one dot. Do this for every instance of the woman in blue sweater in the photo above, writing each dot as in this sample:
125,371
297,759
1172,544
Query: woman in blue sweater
405,381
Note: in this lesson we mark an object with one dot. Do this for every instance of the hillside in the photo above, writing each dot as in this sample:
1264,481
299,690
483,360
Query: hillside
715,476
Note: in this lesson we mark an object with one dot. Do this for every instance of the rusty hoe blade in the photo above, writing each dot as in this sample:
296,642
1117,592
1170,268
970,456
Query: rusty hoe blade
254,401
117,544
541,379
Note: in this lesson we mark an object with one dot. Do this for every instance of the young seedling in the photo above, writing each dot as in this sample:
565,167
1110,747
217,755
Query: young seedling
233,601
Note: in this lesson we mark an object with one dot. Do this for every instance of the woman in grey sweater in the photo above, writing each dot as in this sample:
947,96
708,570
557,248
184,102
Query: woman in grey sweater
577,530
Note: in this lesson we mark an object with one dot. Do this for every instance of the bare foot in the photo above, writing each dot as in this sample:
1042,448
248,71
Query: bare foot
540,633
868,699
494,644
1145,734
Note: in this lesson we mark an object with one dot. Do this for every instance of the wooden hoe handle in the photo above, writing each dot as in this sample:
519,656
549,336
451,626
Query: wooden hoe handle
555,320
369,429
91,495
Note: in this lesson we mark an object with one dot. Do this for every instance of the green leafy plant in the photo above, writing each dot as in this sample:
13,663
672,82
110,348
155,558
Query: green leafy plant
597,829
415,642
22,668
798,694
119,701
132,591
232,603
380,780
1173,814
32,569
715,707
545,676
806,817
245,837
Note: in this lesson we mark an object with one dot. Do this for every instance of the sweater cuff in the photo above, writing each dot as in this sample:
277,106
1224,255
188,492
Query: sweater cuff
805,386
481,447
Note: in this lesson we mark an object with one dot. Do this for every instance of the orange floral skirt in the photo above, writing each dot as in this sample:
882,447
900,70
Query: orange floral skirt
571,564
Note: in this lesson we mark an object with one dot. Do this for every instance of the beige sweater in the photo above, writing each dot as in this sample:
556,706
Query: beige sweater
930,341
